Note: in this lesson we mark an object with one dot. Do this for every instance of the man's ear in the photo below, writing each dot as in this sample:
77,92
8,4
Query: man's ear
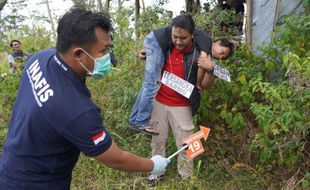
77,53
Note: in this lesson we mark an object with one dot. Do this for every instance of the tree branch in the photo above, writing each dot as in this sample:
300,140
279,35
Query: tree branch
2,3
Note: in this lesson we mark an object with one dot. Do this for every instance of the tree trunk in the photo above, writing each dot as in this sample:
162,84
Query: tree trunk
79,3
120,4
2,3
106,7
249,5
91,3
100,6
192,6
137,8
276,17
196,6
137,13
220,2
51,18
143,5
188,5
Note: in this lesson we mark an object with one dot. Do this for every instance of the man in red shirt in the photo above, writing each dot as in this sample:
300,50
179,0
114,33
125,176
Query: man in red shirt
178,97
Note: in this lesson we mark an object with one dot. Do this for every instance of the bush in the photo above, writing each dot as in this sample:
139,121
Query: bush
259,121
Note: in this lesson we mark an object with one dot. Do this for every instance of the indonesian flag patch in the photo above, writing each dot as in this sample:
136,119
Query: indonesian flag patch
99,137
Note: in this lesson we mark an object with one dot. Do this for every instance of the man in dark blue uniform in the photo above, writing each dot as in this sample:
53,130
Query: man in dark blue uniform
53,117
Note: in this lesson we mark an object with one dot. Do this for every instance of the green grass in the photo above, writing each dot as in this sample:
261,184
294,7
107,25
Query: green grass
227,164
115,95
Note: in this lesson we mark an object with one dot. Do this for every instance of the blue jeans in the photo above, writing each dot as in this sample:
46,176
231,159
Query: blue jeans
142,109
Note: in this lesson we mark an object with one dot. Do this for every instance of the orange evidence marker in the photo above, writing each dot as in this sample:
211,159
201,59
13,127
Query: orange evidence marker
194,144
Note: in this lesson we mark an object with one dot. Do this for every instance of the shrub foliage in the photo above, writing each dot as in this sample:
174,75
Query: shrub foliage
260,121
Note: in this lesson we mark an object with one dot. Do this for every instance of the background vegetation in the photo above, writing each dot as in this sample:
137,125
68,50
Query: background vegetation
259,122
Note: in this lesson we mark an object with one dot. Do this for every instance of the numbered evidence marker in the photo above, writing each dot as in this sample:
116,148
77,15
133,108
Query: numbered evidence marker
221,72
194,144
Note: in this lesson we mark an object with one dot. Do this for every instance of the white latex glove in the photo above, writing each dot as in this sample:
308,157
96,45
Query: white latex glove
160,164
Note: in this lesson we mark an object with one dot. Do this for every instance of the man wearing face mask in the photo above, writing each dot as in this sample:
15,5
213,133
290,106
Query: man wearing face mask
54,119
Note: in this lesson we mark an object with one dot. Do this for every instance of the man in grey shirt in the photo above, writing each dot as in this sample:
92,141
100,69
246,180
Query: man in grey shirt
17,56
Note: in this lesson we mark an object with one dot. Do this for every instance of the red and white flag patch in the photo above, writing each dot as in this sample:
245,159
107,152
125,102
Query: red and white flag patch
99,137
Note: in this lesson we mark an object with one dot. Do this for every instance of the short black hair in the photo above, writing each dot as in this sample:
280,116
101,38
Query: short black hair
77,27
11,43
226,43
184,21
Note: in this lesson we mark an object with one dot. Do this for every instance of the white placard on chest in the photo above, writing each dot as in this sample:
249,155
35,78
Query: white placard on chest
177,84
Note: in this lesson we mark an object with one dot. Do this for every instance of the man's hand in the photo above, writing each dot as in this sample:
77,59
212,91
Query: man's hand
204,61
160,164
14,65
199,87
142,54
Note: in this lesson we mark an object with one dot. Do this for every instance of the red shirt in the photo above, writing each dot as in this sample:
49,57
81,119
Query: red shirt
175,65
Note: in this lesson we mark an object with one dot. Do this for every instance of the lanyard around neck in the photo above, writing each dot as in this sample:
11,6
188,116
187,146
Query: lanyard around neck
192,62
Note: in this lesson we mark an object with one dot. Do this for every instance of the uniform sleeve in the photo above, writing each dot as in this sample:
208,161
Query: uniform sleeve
88,134
203,41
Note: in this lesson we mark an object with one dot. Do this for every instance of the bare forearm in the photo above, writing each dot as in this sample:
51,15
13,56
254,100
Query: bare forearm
207,81
124,161
200,74
132,163
206,77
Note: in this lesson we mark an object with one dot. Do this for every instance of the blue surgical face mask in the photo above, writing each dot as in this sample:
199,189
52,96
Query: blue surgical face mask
102,65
